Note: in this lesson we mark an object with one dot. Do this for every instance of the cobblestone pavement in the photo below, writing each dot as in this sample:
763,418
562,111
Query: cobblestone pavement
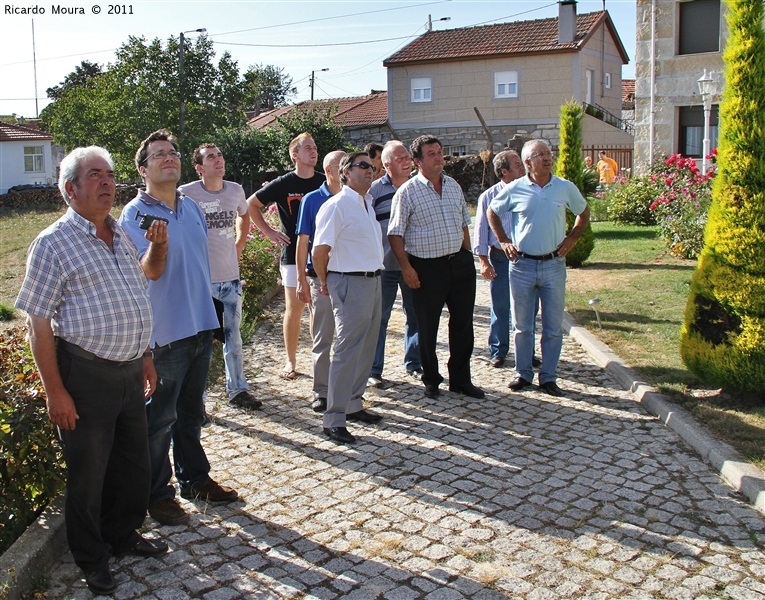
517,495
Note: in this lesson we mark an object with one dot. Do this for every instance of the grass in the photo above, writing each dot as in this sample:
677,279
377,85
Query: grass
642,292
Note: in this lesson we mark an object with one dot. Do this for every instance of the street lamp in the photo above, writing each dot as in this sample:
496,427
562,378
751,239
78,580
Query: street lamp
313,79
181,80
430,21
707,89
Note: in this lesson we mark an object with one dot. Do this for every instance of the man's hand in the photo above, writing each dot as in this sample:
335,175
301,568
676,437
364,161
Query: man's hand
487,271
149,376
323,289
157,232
303,290
276,236
410,277
61,410
510,250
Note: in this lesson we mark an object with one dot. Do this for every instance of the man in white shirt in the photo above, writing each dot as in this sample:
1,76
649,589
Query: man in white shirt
348,259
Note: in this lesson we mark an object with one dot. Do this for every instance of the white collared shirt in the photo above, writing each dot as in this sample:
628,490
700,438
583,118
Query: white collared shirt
347,224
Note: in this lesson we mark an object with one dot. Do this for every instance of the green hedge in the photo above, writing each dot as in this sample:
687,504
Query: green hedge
31,462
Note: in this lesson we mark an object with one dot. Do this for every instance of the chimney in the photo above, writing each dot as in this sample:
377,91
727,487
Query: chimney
566,21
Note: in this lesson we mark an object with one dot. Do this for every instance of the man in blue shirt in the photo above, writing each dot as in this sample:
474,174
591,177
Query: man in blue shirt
322,319
184,319
537,248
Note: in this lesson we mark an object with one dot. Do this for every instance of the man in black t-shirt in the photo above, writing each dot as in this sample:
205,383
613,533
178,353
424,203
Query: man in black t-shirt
286,192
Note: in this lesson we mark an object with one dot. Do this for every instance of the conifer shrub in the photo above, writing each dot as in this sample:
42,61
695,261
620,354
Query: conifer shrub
570,165
723,335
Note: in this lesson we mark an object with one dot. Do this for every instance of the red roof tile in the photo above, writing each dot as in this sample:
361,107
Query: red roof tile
520,37
628,90
358,111
19,133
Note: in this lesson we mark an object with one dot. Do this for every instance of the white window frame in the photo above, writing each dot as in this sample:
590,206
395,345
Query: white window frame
459,150
421,89
508,79
34,159
607,81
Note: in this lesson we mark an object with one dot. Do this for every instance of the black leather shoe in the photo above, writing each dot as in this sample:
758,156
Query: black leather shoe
415,373
468,389
536,362
432,391
339,434
101,582
497,362
552,389
364,416
145,547
319,404
246,400
518,384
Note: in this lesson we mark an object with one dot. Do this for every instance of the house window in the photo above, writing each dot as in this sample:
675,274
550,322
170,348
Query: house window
699,26
607,81
506,84
421,89
33,159
455,150
691,134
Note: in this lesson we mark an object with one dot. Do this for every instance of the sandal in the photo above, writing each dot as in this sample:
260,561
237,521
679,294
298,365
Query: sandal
288,375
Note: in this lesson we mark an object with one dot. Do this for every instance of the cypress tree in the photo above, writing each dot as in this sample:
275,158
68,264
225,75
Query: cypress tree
570,165
722,340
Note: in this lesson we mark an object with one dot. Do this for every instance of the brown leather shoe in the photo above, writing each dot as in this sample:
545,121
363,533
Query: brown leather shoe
168,512
210,491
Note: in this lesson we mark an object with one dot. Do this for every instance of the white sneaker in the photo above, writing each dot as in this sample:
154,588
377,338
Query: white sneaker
374,381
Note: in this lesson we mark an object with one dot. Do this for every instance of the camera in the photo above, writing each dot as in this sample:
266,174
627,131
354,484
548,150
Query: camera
147,220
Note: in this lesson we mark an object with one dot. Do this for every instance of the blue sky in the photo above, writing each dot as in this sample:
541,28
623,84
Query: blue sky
348,37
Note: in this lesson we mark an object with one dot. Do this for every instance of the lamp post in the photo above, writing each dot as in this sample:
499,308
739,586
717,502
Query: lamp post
313,79
181,80
430,21
707,89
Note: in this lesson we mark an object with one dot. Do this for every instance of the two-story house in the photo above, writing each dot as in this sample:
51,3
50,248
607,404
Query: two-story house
482,84
676,42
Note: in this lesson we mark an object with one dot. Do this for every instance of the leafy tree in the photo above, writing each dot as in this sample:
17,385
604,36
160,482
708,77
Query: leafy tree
722,340
266,87
245,150
81,75
140,93
570,166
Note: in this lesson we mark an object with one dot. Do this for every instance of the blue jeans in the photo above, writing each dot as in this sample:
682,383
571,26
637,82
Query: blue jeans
499,289
230,294
391,281
543,281
176,411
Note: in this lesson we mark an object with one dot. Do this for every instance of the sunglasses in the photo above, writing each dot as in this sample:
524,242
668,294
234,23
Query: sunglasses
364,165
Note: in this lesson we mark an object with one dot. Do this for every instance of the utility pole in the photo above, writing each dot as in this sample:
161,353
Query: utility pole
313,79
182,82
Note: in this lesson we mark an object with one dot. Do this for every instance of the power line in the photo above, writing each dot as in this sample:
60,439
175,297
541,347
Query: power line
309,45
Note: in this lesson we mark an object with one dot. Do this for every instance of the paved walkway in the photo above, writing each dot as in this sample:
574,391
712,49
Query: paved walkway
517,496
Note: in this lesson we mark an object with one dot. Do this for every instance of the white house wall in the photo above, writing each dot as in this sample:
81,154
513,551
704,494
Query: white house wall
12,165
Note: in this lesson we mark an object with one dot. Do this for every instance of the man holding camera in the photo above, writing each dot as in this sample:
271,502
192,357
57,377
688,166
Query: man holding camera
184,320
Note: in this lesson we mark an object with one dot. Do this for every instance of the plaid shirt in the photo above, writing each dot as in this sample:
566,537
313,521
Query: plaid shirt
95,299
431,224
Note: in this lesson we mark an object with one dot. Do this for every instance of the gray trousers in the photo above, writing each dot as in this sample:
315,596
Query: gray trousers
357,307
323,334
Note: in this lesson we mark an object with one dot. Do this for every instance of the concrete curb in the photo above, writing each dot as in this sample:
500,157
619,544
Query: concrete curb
31,557
741,475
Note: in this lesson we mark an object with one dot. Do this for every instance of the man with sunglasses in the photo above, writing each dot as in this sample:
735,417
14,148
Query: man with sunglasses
348,259
537,248
178,269
428,234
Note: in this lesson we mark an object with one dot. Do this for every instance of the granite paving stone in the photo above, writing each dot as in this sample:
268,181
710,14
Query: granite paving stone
517,495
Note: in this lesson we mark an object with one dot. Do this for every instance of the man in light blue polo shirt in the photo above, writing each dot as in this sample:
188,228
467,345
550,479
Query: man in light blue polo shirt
178,269
537,248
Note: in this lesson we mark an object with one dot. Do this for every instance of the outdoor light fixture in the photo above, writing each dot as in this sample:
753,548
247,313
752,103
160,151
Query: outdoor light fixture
313,79
707,89
595,303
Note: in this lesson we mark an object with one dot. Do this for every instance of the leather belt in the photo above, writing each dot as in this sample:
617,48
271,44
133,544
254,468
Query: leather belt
75,350
368,274
551,255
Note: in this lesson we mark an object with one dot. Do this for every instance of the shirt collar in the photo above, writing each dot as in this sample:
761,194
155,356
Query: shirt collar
85,225
152,201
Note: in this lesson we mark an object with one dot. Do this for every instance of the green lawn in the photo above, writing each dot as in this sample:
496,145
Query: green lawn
643,292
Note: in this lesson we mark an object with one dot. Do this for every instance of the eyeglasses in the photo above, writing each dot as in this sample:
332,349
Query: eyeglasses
364,165
541,155
162,155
